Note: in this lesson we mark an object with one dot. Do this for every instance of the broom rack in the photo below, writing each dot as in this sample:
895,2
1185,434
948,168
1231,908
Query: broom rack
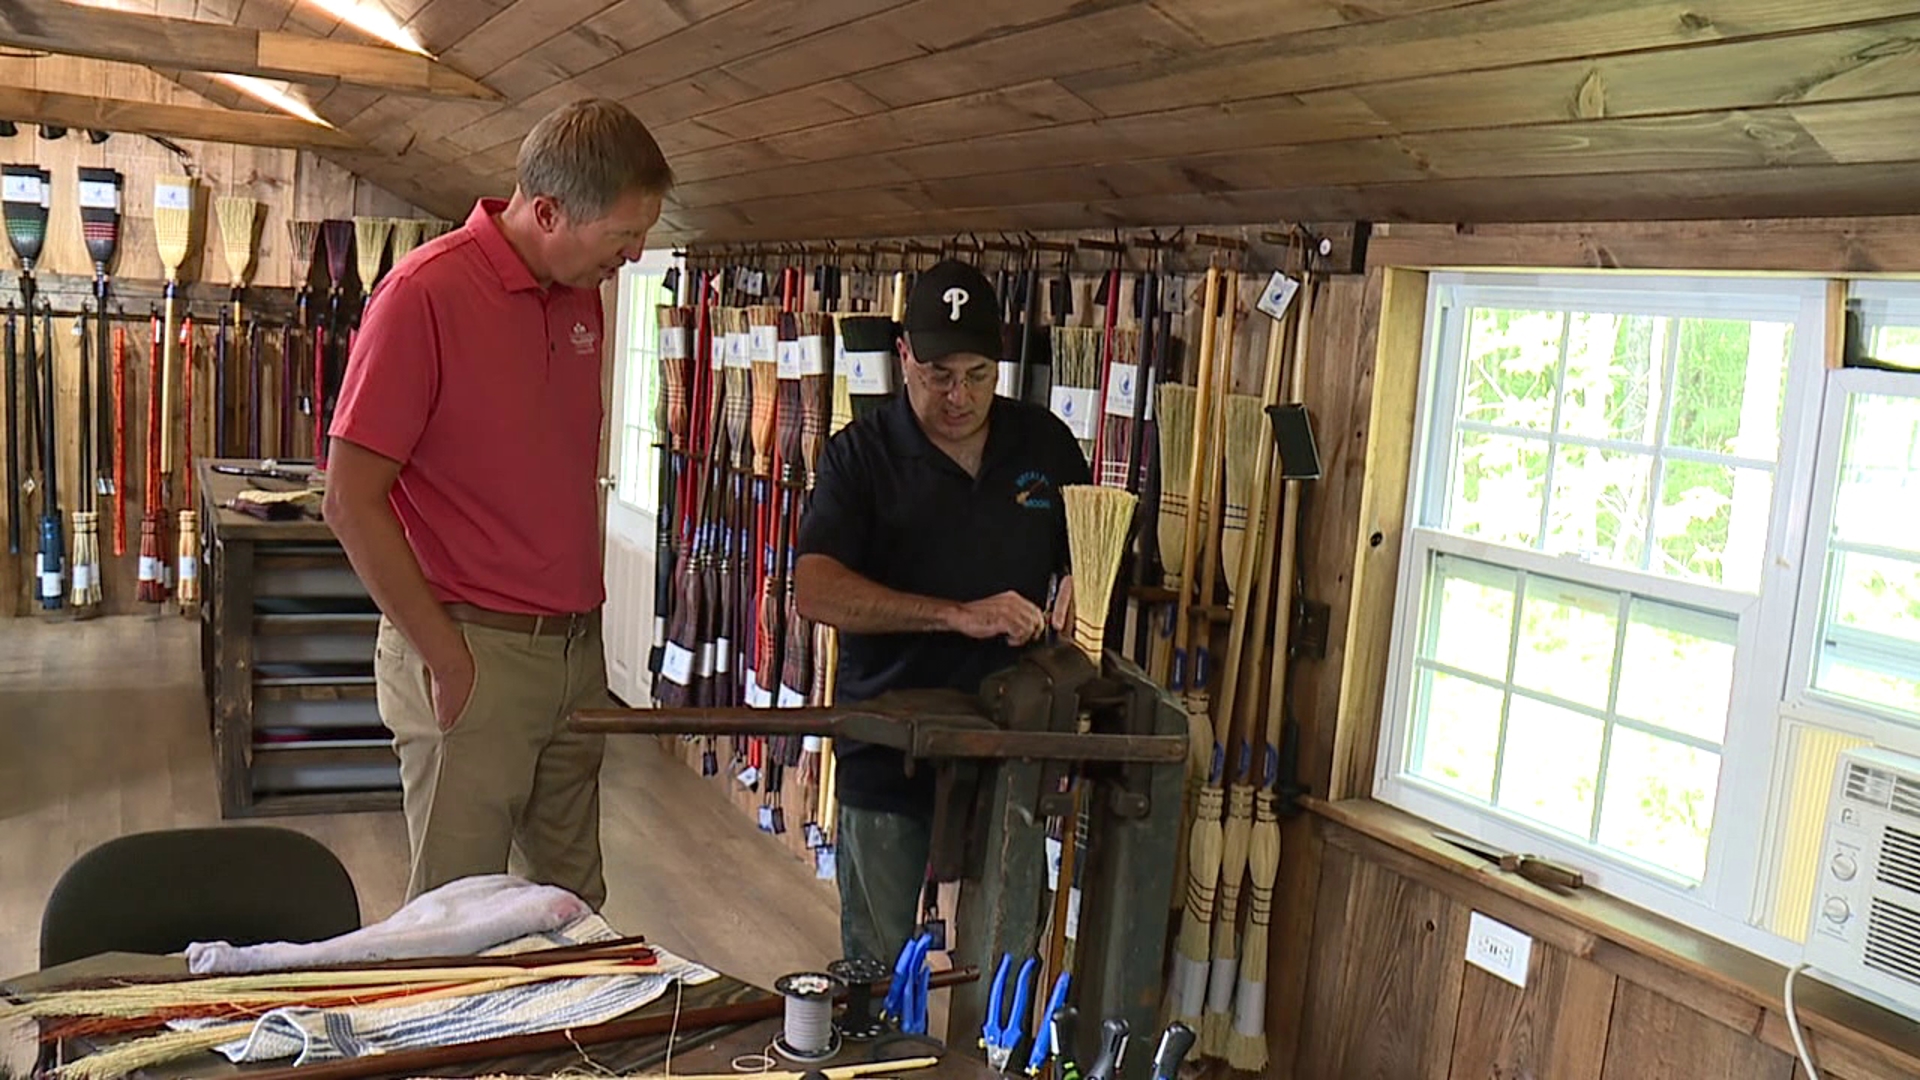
69,294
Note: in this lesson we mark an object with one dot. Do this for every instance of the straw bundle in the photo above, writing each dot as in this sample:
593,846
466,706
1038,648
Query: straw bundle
1173,419
1098,524
1245,441
1117,465
304,241
675,375
1247,1040
370,247
434,228
236,214
1076,382
816,389
406,236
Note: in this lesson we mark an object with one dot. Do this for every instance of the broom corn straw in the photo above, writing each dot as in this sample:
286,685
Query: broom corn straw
1251,572
172,229
1098,519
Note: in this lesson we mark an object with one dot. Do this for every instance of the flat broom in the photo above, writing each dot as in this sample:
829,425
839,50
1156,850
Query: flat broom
99,200
406,236
235,214
303,241
25,194
189,552
153,586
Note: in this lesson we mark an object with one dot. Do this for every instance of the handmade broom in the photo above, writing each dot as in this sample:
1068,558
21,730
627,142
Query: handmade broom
85,595
119,441
1247,1044
1076,383
329,360
99,200
172,230
406,237
869,362
235,214
370,236
153,587
15,504
188,590
24,198
1099,519
303,239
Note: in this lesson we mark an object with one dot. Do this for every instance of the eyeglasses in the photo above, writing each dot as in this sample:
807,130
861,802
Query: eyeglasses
944,380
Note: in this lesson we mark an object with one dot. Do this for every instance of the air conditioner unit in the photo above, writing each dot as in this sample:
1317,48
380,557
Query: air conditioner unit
1866,906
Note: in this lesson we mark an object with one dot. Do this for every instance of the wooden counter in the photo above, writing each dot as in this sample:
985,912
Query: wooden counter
287,632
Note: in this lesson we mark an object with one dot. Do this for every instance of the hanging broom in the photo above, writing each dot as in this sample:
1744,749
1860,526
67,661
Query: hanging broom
1098,523
1173,411
869,362
235,214
370,248
119,441
99,199
152,587
1188,995
86,541
406,236
172,231
1076,382
25,195
1249,571
189,553
303,241
1247,1045
336,237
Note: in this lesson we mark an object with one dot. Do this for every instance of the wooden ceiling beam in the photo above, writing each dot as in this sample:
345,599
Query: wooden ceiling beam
159,41
85,112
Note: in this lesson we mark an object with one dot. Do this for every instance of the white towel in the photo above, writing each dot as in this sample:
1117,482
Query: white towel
312,1035
460,918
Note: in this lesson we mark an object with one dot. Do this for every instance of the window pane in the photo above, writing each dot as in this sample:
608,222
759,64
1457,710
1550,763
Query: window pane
1676,669
1729,387
631,466
1566,641
1511,361
1613,374
1870,643
1551,766
1497,488
1659,801
1458,733
1599,505
1898,345
1879,472
1711,524
1472,624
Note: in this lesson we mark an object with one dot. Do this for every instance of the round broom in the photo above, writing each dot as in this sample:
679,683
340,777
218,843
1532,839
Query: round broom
99,199
1173,410
1098,520
1188,995
1247,1044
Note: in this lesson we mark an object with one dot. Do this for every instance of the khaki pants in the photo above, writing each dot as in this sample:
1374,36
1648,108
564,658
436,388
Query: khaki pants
508,775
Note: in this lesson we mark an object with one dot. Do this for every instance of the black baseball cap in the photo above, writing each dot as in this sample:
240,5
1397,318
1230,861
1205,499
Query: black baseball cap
952,308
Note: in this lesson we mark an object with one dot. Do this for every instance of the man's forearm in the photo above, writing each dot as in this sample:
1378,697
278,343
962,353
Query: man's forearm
377,547
830,593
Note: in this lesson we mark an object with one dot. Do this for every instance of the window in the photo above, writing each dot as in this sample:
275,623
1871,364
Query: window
642,426
1598,590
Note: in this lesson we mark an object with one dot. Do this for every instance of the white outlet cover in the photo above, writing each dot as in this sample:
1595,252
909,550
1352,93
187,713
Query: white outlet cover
1495,947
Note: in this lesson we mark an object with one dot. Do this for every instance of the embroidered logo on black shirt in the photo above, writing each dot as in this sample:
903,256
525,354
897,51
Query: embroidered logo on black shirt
1033,490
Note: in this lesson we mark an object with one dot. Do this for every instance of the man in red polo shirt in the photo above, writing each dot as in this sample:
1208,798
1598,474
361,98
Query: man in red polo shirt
462,482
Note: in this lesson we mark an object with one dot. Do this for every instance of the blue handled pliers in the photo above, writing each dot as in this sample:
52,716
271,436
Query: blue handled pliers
1043,1039
1001,1033
906,1002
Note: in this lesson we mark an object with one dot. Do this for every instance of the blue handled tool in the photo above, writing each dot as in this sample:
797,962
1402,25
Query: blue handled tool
1001,1032
906,1002
1043,1038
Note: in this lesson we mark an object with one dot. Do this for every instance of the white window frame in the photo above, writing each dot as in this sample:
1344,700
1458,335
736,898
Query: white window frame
1724,902
627,286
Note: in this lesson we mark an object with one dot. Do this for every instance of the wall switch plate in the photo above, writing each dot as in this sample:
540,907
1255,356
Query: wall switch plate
1498,948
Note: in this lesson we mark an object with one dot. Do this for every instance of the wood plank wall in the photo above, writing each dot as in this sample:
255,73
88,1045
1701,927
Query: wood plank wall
287,184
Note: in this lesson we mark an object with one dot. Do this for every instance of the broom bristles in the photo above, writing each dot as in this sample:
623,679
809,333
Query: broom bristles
370,244
173,225
235,214
189,553
1098,520
406,236
1217,1023
1191,953
1245,441
1173,418
1247,1041
305,240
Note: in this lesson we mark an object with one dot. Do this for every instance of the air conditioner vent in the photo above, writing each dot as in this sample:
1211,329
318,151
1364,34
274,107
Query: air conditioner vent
1893,941
1900,859
1869,786
1906,798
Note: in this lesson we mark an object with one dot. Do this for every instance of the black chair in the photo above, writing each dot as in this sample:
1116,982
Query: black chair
158,892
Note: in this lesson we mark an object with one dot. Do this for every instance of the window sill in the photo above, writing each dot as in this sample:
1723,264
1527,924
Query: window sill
1740,989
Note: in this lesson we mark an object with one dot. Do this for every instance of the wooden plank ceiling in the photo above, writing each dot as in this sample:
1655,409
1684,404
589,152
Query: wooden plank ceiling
803,119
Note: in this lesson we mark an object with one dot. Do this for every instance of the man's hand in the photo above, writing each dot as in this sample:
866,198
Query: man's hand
1007,615
1062,614
452,687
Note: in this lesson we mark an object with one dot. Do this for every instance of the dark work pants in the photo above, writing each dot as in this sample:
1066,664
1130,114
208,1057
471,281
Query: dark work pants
880,864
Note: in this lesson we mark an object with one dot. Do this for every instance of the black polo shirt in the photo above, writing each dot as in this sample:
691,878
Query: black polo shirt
892,507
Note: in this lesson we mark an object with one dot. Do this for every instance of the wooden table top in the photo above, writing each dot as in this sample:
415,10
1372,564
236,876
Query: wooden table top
216,489
712,1051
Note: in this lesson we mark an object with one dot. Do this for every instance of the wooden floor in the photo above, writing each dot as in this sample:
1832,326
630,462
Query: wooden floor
103,732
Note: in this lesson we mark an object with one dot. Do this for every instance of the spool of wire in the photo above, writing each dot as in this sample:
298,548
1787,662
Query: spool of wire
807,1033
858,1020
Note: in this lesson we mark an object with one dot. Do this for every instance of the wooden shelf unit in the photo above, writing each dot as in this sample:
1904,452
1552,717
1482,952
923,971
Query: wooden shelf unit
287,637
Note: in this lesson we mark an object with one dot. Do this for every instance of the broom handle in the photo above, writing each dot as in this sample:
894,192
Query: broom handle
186,408
254,419
119,440
166,384
1216,459
83,498
14,502
1203,400
108,434
50,439
222,355
1289,536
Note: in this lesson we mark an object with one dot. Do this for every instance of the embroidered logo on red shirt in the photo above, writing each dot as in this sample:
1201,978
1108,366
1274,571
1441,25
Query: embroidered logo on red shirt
584,340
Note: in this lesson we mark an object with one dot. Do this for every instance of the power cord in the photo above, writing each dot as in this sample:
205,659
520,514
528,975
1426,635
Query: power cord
1793,1025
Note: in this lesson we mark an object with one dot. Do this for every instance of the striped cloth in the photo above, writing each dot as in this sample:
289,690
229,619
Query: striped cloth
310,1035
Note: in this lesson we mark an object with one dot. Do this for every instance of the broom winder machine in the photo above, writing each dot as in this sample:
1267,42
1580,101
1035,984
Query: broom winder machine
999,759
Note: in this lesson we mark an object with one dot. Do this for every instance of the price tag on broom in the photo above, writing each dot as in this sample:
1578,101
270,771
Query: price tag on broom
1278,294
99,195
789,360
171,197
22,189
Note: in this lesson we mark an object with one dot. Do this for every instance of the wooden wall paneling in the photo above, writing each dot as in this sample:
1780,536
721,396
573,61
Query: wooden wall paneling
1390,385
1792,245
1657,1038
1556,1027
1228,22
1513,31
523,28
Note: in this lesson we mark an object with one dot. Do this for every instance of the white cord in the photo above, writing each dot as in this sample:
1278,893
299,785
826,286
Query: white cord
1793,1025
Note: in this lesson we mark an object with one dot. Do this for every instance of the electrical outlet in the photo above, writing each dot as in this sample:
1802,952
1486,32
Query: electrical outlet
1498,948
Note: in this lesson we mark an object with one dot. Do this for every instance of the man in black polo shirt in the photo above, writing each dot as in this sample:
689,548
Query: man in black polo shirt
935,537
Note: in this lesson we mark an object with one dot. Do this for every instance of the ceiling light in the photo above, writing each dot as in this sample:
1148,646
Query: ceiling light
275,94
371,18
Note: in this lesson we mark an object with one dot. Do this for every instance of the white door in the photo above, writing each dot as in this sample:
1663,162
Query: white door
634,471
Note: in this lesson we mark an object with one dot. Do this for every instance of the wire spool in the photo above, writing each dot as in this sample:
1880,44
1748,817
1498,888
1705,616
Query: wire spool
858,1021
806,1032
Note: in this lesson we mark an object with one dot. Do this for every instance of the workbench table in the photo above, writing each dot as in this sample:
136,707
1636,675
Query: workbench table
693,1051
287,632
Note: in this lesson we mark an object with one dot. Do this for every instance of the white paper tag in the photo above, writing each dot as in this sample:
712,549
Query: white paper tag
748,777
20,189
823,866
870,373
1003,382
673,342
83,576
813,360
99,195
1053,864
1120,383
1278,294
789,359
149,568
738,351
1076,406
189,568
760,344
171,196
766,819
1073,914
50,584
718,351
810,744
756,697
676,664
791,698
1250,1008
722,656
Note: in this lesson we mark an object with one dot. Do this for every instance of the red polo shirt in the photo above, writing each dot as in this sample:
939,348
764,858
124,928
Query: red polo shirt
486,388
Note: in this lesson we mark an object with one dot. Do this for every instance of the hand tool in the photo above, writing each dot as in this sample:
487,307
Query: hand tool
1541,871
1174,1044
1001,1032
906,1001
1061,1028
1112,1062
1043,1036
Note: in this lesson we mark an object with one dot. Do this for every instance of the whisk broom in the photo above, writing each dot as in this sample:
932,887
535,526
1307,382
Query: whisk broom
235,214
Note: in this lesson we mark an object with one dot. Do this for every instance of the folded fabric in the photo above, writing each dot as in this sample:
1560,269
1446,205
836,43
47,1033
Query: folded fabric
312,1035
461,918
